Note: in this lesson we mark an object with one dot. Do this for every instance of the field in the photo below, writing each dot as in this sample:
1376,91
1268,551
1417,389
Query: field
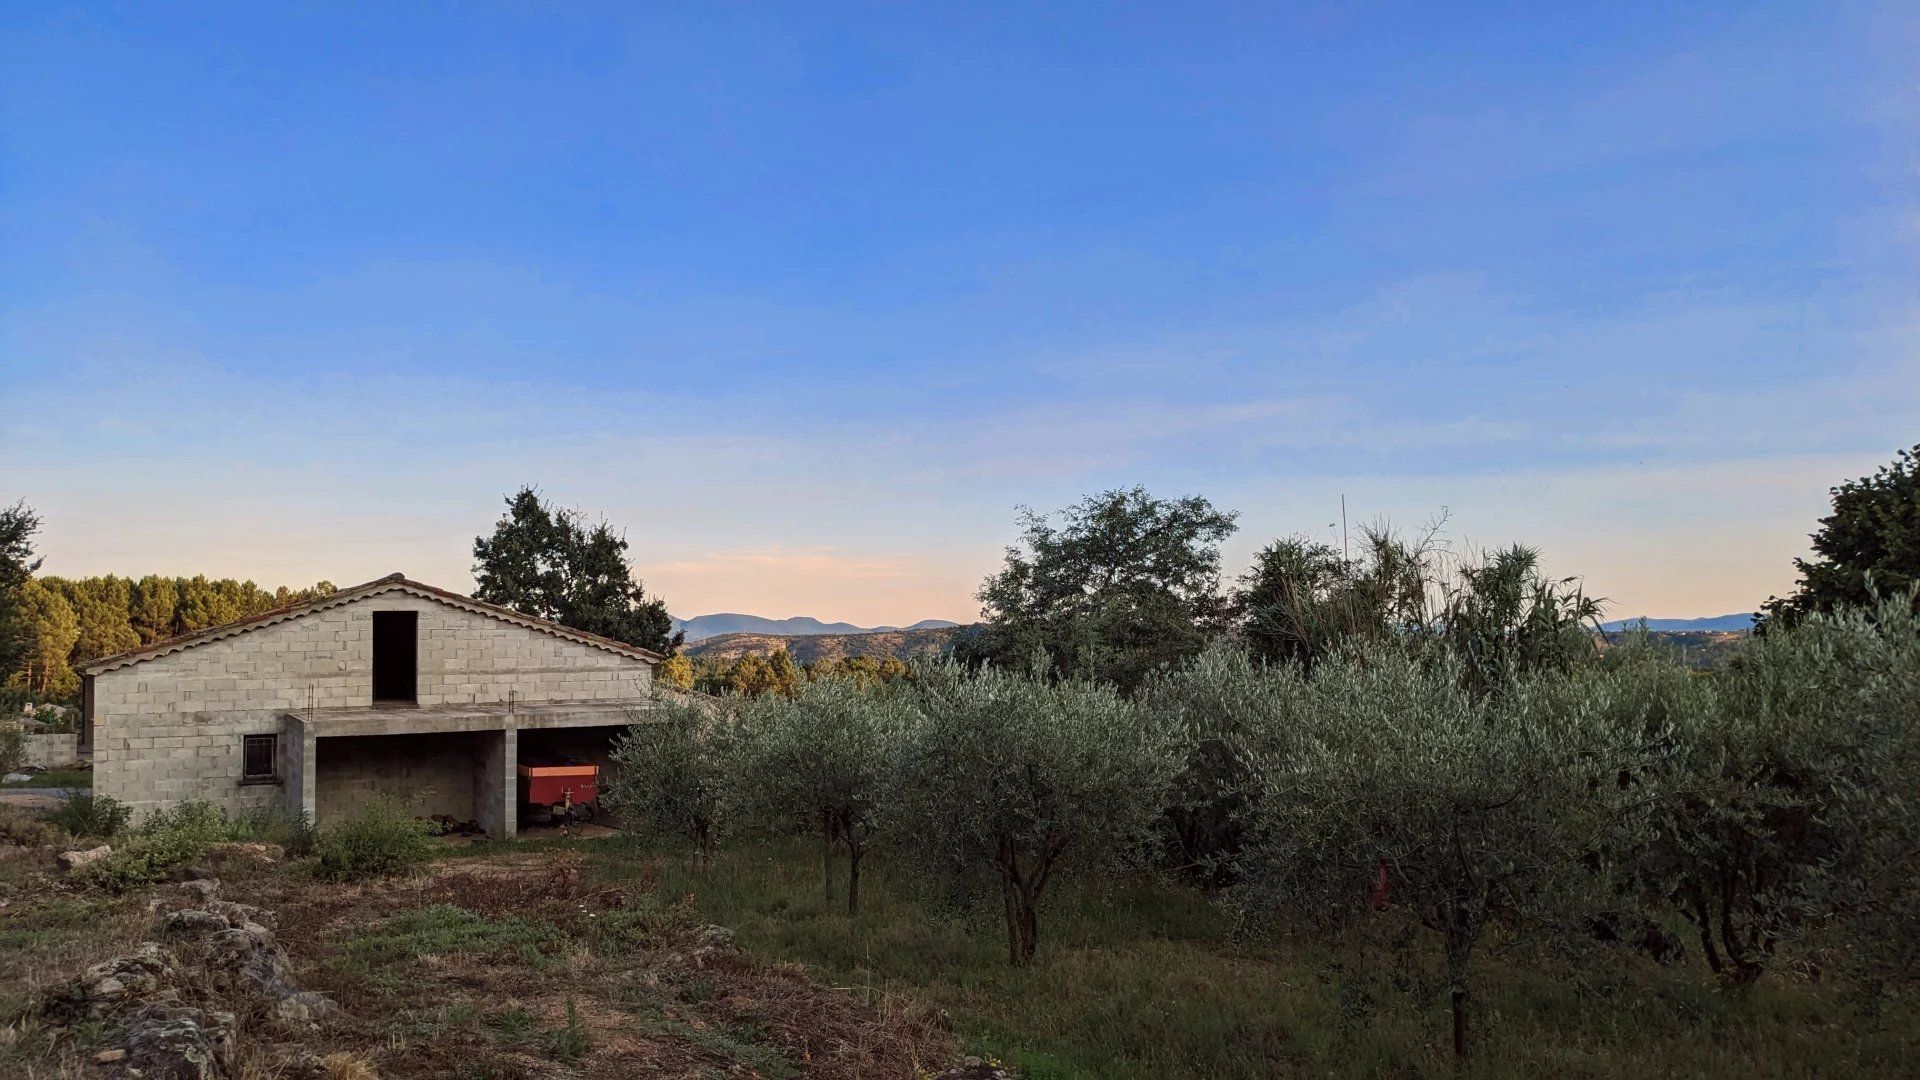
601,959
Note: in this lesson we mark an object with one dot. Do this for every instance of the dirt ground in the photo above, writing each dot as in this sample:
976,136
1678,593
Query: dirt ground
504,965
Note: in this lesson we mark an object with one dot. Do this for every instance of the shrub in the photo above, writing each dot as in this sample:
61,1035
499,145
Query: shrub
83,813
165,840
293,832
381,842
13,747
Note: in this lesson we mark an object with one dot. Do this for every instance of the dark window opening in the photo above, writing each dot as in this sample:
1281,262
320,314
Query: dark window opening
86,714
259,757
396,638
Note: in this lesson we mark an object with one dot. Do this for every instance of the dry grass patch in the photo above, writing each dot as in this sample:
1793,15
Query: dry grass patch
519,966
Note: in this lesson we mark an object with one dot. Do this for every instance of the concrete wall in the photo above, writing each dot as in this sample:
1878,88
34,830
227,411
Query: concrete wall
169,728
52,751
428,774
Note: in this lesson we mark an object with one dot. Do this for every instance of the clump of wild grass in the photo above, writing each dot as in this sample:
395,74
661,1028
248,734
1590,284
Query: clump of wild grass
381,842
83,813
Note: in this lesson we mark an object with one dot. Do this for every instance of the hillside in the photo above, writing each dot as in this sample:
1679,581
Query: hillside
1702,649
702,627
1712,623
806,648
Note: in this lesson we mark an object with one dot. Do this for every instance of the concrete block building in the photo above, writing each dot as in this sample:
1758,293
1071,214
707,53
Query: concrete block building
388,689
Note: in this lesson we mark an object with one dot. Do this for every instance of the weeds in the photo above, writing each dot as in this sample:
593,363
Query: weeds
83,813
445,929
570,1043
382,842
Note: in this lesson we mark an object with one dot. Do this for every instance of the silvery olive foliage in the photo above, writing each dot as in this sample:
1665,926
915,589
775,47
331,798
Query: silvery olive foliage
672,768
1226,710
1010,773
1795,810
1402,786
823,758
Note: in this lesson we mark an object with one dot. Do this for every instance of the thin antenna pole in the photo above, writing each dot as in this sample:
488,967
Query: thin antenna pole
1343,526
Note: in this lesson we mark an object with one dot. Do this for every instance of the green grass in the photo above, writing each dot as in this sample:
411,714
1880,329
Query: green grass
672,1011
1151,980
448,930
55,778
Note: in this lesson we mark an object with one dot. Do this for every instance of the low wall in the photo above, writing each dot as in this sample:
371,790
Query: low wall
52,751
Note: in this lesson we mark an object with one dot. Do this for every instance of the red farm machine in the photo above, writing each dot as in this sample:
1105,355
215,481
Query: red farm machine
561,790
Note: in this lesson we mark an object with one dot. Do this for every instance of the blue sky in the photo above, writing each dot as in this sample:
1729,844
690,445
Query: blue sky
809,297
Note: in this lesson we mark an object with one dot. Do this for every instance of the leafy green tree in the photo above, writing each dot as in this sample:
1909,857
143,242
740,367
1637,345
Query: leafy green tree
17,566
674,673
750,676
868,671
1870,543
672,769
1124,584
1474,809
823,757
549,563
48,630
1013,774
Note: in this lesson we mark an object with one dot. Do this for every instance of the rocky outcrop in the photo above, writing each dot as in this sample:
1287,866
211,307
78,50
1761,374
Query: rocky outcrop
163,996
178,1042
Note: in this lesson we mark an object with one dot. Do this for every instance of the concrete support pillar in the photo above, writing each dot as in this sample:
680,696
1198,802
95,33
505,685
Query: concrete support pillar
496,788
299,754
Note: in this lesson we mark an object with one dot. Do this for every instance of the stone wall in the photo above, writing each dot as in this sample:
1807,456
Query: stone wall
170,727
426,774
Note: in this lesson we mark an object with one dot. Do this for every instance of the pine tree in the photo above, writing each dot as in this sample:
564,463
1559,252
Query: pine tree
50,629
152,610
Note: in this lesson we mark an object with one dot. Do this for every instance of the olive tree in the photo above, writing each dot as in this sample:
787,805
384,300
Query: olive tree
822,756
1472,809
1793,798
672,767
1012,774
1226,709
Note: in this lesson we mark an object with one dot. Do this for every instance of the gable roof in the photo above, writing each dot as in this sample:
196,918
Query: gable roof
388,584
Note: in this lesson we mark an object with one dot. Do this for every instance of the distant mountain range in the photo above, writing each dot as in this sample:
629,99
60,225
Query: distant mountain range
806,648
701,627
1742,621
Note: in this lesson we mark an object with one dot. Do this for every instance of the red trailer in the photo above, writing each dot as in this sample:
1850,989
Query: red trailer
564,790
